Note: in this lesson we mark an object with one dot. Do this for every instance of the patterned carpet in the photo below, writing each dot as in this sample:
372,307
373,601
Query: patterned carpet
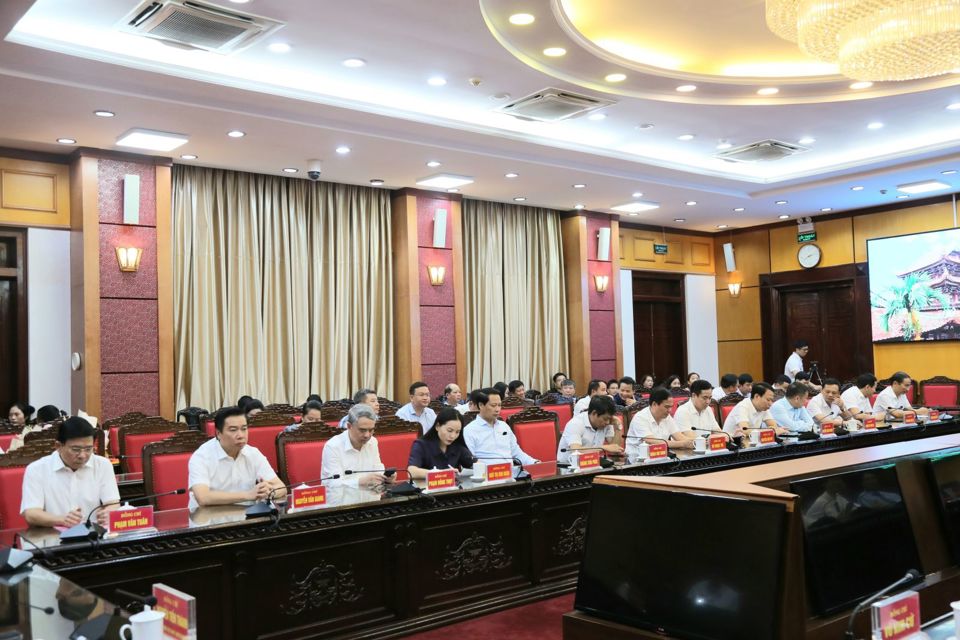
537,621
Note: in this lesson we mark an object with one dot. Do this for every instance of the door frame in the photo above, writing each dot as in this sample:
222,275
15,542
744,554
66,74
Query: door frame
773,334
19,272
638,274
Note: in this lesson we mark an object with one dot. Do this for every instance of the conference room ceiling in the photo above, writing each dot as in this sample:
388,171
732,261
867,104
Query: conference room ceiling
61,60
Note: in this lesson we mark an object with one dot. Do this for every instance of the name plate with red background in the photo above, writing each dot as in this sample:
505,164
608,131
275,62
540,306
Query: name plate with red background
128,520
179,612
910,417
499,472
588,460
441,479
717,442
657,451
869,424
828,429
897,617
768,436
307,497
933,416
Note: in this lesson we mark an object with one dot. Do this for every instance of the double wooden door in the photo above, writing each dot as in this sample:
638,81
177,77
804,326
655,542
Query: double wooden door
658,325
13,318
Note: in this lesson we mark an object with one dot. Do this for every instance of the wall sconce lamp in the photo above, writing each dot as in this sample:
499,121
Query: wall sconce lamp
129,258
734,288
601,282
436,275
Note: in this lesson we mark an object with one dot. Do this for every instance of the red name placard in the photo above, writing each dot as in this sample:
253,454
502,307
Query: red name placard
657,450
588,460
933,416
717,442
306,497
768,436
176,607
869,424
910,417
827,428
897,617
439,480
499,471
126,520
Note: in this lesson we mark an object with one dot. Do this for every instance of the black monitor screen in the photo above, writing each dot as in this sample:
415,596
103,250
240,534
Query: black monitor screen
946,477
857,536
691,566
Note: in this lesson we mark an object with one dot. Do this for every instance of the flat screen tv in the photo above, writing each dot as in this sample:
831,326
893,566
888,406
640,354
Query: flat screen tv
945,473
856,534
652,560
915,286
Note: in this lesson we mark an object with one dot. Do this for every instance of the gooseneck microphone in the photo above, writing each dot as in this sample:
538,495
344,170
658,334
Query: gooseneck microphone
46,610
911,576
90,531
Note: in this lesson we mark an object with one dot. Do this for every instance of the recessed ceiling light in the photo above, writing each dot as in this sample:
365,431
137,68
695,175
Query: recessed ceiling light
103,113
635,207
436,81
615,77
578,186
188,156
721,226
679,219
873,126
948,172
376,182
687,88
643,126
511,175
597,116
578,206
902,197
554,52
825,209
953,106
691,203
856,86
781,202
738,209
857,188
723,144
289,169
637,194
445,181
343,149
685,137
278,47
922,187
521,19
239,1
152,140
433,164
236,133
783,216
453,190
354,63
768,91
807,140
66,141
520,199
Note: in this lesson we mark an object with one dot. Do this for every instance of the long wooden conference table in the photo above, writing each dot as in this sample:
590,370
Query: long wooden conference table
369,566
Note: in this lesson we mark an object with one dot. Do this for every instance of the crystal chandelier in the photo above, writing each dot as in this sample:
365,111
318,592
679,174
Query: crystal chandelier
873,40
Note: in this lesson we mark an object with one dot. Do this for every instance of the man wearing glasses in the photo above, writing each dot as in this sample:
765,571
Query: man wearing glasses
61,489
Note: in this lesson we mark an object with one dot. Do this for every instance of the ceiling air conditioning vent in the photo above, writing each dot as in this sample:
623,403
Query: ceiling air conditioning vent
194,25
763,151
553,105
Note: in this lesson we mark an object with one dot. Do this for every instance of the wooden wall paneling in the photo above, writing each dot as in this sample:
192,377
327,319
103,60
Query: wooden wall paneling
13,317
643,249
741,356
904,221
834,237
738,318
675,252
615,286
455,213
685,253
573,231
406,283
701,253
34,193
165,293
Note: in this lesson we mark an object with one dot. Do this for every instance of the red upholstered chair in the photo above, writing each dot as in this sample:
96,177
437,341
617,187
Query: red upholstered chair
512,406
210,427
300,452
133,437
12,467
677,401
394,439
537,432
262,433
563,410
166,467
727,404
6,437
940,391
113,424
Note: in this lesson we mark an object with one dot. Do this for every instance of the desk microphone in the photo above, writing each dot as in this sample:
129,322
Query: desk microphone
89,531
389,471
605,463
46,610
266,508
912,576
734,443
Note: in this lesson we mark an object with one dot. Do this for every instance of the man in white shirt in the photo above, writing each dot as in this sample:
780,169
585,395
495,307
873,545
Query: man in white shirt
226,470
728,385
654,424
63,488
488,437
752,412
893,399
696,414
363,396
452,396
418,409
596,387
591,429
355,450
794,363
827,406
857,397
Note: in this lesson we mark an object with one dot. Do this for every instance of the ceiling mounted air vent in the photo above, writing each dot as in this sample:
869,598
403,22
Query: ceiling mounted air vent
194,25
763,151
553,105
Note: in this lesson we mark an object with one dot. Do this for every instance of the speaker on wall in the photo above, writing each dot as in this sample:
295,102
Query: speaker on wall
131,199
728,257
440,228
603,244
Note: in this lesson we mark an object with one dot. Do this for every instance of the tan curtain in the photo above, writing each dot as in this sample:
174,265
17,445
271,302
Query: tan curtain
515,300
281,288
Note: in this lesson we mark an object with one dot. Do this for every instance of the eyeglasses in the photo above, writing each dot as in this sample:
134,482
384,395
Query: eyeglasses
79,450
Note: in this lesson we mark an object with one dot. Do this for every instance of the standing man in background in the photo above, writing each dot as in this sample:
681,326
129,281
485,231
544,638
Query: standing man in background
794,363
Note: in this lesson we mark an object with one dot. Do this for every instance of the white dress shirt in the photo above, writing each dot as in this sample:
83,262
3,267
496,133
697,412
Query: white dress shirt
582,405
643,425
745,412
462,408
793,366
339,455
496,440
426,419
719,394
50,485
887,399
580,432
210,465
689,419
854,399
817,406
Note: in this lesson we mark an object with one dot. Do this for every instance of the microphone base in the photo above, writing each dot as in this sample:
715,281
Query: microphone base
404,489
81,533
14,560
262,510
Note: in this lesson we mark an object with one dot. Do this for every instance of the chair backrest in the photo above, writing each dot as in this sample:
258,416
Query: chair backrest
299,451
166,467
563,411
506,412
727,404
939,391
12,467
394,439
262,433
7,433
537,431
133,437
193,416
677,401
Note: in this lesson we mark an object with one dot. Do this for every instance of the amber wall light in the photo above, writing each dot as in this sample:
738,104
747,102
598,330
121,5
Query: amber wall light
436,275
602,282
129,258
734,289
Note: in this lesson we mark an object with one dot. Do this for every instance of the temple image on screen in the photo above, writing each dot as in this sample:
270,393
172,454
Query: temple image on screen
915,287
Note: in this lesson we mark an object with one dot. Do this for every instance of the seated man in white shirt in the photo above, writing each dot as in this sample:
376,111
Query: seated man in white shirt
789,411
728,385
418,409
696,414
893,400
355,450
226,470
655,424
794,363
488,437
827,406
744,384
594,428
857,397
595,388
452,395
753,412
63,488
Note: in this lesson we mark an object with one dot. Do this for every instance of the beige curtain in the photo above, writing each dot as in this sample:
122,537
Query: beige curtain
281,288
515,300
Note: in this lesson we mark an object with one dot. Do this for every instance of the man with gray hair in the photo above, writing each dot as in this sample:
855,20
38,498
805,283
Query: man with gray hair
364,396
355,450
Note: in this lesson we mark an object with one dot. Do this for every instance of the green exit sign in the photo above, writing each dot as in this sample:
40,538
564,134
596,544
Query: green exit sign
660,249
806,236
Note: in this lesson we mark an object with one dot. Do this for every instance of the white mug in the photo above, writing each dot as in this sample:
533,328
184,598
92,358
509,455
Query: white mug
700,444
146,625
755,436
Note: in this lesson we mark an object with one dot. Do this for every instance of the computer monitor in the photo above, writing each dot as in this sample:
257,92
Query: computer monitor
690,566
945,474
857,536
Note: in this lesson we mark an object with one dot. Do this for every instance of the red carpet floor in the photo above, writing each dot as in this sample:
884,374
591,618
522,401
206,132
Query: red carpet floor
538,621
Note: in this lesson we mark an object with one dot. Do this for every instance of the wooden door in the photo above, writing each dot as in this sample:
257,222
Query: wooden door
658,325
825,318
13,319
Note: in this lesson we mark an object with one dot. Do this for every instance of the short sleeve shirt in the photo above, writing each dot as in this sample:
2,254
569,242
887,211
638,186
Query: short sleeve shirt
210,465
